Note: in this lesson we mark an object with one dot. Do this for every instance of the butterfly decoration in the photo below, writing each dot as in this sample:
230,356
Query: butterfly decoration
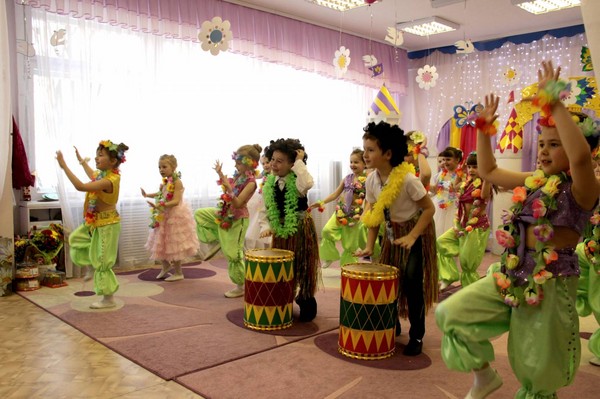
466,116
586,59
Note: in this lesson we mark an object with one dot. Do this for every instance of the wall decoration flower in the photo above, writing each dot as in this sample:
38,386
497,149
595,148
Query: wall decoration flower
215,35
511,76
342,59
427,77
574,93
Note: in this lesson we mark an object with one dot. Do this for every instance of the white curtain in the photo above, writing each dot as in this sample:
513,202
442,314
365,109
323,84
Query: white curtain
5,116
160,95
467,78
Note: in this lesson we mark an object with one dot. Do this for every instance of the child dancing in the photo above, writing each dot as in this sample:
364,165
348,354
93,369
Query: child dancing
532,295
398,198
345,223
173,234
229,221
469,236
285,218
417,155
95,242
444,186
255,204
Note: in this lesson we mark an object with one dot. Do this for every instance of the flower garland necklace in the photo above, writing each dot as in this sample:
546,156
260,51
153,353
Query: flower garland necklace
508,237
476,209
91,212
225,215
160,200
446,197
290,206
374,217
591,242
355,209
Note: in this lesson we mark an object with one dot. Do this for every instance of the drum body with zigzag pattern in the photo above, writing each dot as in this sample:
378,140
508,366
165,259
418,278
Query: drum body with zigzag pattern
269,289
368,310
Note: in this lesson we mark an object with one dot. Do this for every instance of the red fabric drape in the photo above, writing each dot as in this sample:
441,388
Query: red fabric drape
21,176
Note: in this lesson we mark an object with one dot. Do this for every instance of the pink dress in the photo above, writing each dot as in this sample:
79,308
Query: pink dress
175,238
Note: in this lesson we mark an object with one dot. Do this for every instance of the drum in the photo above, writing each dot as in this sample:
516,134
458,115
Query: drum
269,290
368,310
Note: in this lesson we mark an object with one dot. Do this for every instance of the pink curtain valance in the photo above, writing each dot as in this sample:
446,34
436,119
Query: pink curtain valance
256,33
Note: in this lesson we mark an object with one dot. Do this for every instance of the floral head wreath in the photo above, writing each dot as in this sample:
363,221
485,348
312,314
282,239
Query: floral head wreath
112,147
588,126
244,159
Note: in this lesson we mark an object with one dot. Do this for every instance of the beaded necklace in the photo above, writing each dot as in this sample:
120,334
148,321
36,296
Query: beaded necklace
92,196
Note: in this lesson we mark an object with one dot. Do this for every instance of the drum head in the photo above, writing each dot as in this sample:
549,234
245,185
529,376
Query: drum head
369,271
269,255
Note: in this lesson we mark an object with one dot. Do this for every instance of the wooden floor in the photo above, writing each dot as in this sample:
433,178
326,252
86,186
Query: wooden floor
41,357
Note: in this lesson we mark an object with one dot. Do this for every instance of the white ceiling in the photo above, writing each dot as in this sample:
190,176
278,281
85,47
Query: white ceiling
480,20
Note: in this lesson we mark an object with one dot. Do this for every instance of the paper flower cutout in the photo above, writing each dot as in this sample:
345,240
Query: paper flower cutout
574,94
427,77
394,36
464,47
342,60
511,76
215,35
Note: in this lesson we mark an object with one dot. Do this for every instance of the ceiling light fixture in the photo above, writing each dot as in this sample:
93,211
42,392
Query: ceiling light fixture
544,6
427,26
340,5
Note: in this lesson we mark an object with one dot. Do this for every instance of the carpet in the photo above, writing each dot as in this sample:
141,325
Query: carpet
187,331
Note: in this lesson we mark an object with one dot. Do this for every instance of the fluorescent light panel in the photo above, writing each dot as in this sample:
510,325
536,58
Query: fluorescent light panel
428,26
544,6
339,5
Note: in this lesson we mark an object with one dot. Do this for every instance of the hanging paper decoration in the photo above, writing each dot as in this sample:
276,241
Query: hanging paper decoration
466,116
511,76
586,59
580,92
58,37
384,108
369,60
376,70
215,35
341,61
512,136
427,77
394,36
511,97
464,47
25,48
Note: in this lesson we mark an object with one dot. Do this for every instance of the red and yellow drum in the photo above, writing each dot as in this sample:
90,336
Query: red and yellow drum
269,290
368,310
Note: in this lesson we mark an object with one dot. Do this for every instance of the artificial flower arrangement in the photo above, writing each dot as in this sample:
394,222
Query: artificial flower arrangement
508,236
474,185
48,242
349,214
158,210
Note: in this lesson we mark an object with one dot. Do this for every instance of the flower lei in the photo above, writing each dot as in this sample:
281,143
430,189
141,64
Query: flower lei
374,217
508,237
445,200
290,206
91,212
591,243
355,209
160,200
477,207
224,216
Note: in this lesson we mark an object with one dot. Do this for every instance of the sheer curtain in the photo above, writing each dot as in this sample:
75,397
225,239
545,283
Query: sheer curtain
160,95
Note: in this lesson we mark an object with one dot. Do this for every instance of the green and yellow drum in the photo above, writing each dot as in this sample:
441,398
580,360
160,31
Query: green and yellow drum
269,289
368,311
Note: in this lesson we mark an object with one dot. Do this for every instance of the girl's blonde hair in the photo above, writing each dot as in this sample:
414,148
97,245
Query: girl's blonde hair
359,152
170,159
251,150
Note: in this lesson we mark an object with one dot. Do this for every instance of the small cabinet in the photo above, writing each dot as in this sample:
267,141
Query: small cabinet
38,213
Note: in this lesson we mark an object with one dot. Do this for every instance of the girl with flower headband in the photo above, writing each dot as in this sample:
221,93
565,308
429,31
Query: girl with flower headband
469,236
228,222
96,241
417,155
532,295
444,189
397,198
344,224
286,219
172,236
255,204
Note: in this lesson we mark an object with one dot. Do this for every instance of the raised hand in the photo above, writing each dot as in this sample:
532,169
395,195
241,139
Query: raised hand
60,158
547,73
489,111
